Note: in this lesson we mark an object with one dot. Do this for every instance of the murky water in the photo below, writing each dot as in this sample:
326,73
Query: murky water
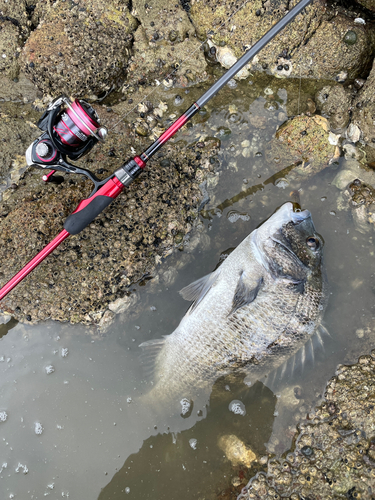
71,423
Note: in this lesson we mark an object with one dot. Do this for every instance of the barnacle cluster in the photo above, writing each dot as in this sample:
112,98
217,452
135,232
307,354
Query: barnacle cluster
334,452
80,48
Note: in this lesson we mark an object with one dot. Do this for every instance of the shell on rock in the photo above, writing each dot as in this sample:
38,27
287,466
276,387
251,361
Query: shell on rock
353,132
225,56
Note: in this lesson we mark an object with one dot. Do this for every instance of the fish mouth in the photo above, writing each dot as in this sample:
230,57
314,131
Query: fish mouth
270,229
291,212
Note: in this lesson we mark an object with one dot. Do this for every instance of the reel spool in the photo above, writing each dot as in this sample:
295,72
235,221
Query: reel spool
71,129
74,127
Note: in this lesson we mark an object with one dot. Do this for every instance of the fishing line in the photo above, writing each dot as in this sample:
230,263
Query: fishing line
168,75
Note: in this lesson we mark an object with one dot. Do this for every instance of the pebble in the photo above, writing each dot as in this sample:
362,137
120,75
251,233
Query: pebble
360,333
141,130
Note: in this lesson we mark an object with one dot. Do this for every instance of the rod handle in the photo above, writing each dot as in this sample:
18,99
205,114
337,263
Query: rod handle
89,208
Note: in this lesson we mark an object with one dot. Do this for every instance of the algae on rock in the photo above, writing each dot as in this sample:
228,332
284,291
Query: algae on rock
303,141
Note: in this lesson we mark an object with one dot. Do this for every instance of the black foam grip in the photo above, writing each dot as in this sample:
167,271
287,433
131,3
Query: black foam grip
79,220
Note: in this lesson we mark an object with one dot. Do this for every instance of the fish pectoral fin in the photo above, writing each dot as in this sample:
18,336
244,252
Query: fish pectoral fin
197,290
245,293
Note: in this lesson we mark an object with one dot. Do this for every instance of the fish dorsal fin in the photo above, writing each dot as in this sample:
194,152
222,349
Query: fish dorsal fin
150,349
197,290
246,292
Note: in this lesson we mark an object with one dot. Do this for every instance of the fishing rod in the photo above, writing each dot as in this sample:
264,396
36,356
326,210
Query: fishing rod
72,130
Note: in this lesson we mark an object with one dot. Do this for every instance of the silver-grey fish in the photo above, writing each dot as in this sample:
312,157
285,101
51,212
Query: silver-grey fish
251,314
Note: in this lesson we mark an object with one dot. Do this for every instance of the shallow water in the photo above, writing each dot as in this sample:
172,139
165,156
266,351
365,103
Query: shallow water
71,424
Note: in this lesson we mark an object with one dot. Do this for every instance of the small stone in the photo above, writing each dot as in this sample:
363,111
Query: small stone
360,333
342,76
236,451
359,82
350,37
172,36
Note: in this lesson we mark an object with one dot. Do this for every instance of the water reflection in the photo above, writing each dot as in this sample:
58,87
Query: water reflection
181,465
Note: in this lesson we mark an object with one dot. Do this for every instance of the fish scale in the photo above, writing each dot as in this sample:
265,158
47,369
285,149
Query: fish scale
252,314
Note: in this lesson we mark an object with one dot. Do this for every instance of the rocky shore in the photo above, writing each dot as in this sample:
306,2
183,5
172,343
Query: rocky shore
138,53
333,454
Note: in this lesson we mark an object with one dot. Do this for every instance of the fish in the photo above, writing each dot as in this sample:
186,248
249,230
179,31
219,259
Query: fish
250,315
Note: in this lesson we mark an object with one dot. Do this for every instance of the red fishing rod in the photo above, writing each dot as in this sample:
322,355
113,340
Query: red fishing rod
72,129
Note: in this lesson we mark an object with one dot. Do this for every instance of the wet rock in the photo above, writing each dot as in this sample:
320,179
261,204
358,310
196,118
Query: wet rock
333,452
350,151
302,143
361,200
16,133
9,49
168,20
79,50
90,271
20,89
16,12
121,304
163,62
369,4
314,45
334,103
351,170
364,110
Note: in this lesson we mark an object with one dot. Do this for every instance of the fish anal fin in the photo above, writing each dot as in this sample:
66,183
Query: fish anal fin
150,351
197,290
245,293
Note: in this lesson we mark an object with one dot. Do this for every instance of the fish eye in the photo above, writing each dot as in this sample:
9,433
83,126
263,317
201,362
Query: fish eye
312,243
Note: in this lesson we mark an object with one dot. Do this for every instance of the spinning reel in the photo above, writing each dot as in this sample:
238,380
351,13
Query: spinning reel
69,130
